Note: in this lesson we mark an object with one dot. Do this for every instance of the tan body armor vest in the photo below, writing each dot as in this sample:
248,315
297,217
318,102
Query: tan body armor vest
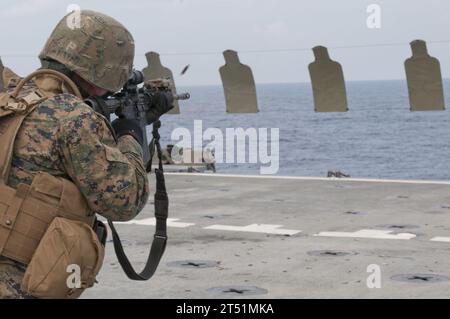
26,212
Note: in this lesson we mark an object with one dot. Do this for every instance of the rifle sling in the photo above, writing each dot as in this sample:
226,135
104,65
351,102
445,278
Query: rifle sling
161,214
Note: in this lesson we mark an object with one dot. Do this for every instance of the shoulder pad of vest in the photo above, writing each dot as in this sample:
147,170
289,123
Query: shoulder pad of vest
21,104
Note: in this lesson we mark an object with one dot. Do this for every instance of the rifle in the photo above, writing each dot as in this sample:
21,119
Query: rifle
135,103
139,103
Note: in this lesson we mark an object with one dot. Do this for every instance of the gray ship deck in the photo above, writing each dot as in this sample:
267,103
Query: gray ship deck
292,238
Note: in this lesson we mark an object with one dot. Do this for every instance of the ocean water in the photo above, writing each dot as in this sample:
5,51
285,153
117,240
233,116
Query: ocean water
378,138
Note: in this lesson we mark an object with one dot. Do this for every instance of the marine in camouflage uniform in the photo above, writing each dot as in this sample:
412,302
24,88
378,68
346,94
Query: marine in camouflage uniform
66,138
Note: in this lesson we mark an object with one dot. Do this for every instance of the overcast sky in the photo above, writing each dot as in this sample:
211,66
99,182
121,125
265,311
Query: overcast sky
189,26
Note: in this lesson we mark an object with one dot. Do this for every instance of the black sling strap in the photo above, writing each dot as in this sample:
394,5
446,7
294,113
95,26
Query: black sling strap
161,214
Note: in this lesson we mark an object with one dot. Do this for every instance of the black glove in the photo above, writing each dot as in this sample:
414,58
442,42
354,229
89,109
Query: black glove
124,126
162,102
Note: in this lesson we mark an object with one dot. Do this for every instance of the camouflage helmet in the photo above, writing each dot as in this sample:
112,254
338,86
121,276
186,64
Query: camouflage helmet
96,47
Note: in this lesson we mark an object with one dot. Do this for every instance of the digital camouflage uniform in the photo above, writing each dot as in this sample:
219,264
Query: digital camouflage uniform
66,138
